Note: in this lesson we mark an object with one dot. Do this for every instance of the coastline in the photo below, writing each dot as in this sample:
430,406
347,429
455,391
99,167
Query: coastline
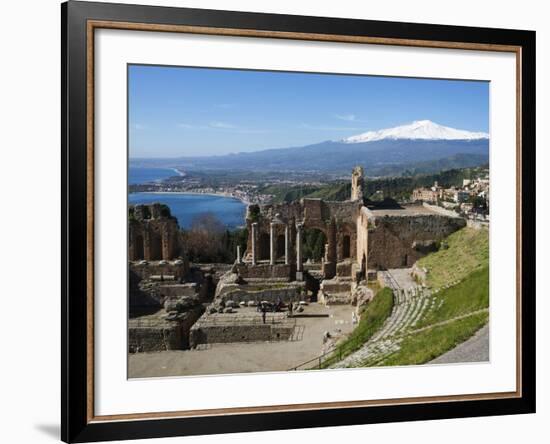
197,193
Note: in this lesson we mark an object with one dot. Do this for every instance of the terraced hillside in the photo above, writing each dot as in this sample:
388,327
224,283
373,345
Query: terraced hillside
460,254
425,322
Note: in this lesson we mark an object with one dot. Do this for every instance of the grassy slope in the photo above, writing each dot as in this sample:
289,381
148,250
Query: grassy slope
469,295
466,260
372,319
422,347
468,250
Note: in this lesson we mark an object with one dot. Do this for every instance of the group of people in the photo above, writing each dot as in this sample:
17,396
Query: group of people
264,307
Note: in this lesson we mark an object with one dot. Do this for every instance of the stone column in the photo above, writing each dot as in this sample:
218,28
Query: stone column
254,240
238,254
299,248
330,252
271,244
166,245
146,245
331,246
287,245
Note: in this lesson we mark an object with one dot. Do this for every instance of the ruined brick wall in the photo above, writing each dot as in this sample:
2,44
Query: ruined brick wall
357,183
153,233
273,295
312,213
266,271
233,332
159,334
148,339
362,240
399,241
170,271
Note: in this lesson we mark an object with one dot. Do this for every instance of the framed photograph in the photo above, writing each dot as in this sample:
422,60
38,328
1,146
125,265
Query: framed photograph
275,221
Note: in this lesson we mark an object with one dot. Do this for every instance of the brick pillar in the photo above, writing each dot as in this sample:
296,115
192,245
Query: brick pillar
331,251
254,245
299,258
146,245
271,244
166,245
287,245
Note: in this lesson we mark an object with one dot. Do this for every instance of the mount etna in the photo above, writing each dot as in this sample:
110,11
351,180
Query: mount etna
419,147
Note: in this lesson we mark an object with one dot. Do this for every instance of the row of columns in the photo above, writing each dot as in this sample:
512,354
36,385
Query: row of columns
272,245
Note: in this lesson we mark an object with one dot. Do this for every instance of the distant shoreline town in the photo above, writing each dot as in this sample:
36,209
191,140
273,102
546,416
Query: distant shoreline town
465,191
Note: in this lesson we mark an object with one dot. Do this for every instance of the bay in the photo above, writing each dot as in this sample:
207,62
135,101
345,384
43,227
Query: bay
185,207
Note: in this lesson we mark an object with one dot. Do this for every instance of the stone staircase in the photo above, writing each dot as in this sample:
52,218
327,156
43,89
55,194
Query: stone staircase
410,305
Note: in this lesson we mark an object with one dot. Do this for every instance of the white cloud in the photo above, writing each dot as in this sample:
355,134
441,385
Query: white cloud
346,117
222,125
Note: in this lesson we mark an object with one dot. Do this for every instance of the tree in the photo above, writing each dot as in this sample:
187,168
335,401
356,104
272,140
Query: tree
209,241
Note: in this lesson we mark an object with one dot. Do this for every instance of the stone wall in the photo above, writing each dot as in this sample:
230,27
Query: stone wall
148,339
362,242
161,270
399,241
232,288
156,333
273,294
234,332
153,233
265,271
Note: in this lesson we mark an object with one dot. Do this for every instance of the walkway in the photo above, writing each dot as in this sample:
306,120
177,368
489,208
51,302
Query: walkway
247,356
475,349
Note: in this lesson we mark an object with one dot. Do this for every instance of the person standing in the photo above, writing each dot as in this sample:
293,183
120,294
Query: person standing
264,310
290,308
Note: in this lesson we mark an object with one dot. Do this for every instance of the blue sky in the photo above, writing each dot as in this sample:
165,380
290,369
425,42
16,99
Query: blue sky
175,111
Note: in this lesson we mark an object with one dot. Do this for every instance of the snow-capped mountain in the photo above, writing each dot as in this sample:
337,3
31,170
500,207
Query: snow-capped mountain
418,130
420,147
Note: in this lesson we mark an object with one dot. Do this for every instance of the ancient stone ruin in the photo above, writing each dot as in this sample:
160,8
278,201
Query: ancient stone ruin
360,240
166,294
191,306
153,233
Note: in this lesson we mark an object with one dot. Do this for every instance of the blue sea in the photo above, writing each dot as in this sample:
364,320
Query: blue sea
148,175
231,212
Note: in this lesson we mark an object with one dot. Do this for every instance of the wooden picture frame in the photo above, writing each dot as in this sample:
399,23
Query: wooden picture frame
79,22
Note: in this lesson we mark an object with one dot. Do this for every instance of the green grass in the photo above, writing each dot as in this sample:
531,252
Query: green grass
469,295
422,347
372,319
463,258
467,250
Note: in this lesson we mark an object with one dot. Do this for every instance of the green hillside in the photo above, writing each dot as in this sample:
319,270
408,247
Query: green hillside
424,327
469,295
460,254
395,187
